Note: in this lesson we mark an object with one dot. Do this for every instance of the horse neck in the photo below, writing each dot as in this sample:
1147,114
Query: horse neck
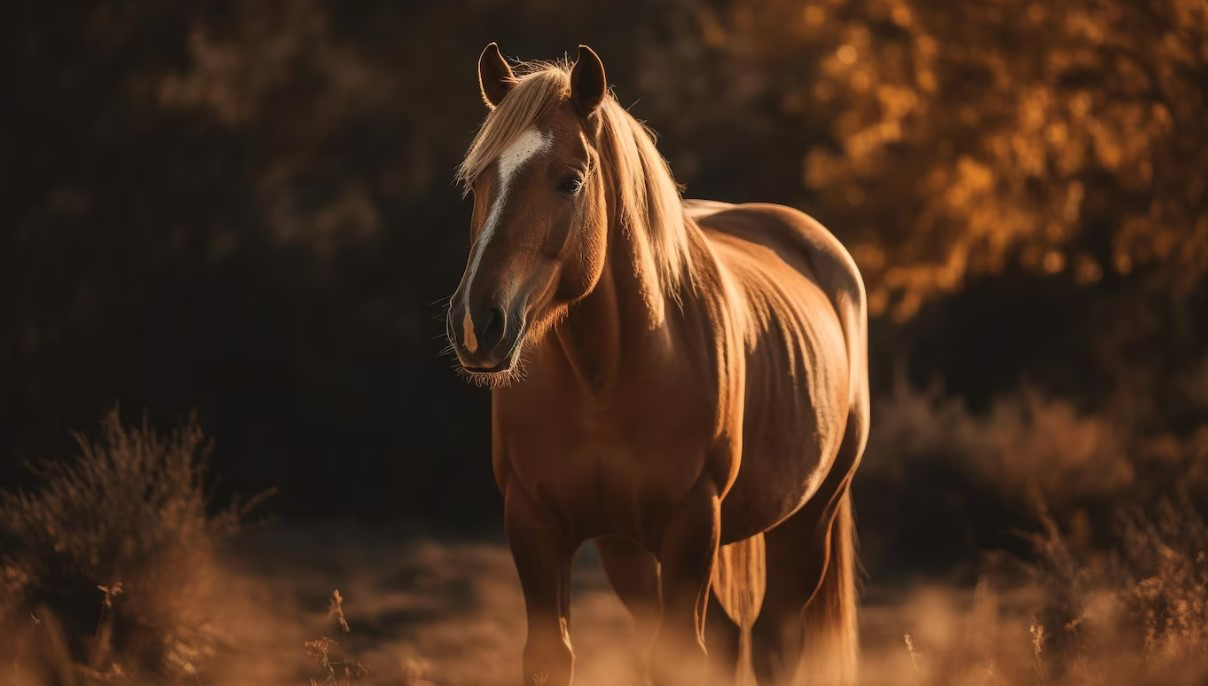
603,332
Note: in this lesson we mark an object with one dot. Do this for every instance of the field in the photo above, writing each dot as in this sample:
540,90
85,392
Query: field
118,571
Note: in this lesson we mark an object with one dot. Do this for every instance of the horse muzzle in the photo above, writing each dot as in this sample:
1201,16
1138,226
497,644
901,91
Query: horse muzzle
485,334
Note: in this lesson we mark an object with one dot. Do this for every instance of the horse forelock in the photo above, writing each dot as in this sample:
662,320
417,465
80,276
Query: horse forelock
539,88
648,199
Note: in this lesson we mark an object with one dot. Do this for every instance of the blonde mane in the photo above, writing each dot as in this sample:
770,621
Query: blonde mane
647,197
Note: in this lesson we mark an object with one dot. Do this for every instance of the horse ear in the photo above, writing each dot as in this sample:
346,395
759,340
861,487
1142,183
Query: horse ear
587,82
495,77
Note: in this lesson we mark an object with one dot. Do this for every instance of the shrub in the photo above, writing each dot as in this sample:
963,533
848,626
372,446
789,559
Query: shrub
109,564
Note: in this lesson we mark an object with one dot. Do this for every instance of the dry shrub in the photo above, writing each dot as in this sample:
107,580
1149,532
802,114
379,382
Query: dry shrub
1140,608
1026,442
1135,613
1112,590
942,483
107,570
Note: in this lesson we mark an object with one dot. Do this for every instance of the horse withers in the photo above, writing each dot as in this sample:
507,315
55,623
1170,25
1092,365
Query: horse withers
682,382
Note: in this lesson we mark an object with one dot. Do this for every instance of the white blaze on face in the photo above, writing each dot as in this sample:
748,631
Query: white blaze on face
526,146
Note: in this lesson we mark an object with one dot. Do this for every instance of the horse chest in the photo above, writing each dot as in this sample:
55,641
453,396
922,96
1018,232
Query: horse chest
596,476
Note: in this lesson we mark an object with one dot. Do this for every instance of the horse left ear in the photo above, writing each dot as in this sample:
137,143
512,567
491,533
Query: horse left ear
587,82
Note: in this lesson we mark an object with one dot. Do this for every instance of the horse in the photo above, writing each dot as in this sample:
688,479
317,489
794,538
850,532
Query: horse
684,383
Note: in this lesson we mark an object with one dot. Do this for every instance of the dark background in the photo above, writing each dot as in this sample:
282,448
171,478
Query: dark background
246,210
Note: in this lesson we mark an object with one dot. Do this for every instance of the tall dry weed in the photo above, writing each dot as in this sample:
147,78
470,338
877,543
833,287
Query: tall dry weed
1138,608
1076,614
109,564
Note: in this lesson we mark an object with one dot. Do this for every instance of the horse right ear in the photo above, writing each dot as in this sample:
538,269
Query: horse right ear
588,85
495,77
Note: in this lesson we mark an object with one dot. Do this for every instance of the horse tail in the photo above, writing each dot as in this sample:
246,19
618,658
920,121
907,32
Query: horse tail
739,582
831,629
832,641
831,633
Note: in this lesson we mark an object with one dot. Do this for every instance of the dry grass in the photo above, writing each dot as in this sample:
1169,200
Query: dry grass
1136,613
114,572
1081,531
1139,608
338,667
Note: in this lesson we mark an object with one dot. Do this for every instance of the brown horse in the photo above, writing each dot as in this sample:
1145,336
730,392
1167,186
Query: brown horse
694,376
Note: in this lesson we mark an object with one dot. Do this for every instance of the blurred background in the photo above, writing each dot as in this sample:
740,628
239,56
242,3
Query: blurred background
246,211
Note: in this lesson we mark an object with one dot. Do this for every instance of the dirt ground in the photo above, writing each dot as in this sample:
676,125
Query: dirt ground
450,613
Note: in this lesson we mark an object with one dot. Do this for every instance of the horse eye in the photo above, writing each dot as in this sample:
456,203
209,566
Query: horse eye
570,185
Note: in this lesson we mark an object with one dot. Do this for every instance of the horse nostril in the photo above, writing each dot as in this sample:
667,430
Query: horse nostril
493,326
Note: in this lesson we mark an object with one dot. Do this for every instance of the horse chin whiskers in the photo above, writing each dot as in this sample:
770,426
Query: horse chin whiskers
501,379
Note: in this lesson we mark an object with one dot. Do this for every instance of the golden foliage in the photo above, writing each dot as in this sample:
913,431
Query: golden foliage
964,137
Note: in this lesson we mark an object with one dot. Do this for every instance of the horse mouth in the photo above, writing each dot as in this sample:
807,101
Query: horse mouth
502,375
505,372
503,366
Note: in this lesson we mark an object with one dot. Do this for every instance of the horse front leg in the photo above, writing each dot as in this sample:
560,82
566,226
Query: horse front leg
687,552
543,562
